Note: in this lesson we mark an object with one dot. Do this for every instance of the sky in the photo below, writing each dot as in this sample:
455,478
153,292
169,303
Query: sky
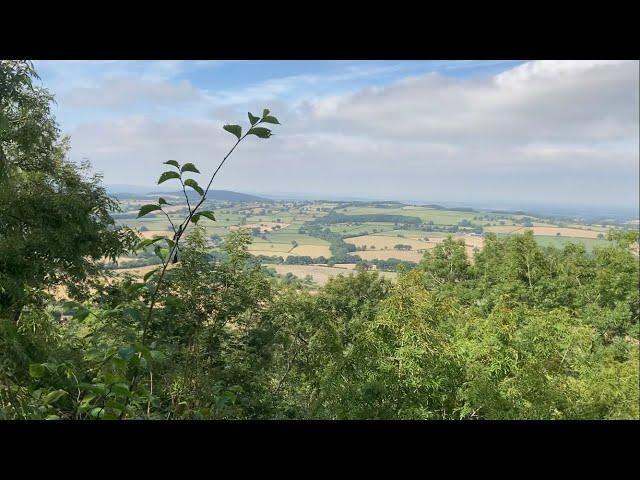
471,132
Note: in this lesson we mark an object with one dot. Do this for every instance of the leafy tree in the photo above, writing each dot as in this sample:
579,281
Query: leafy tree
55,222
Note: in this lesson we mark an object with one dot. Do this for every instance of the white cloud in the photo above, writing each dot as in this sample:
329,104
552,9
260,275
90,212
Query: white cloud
118,92
565,131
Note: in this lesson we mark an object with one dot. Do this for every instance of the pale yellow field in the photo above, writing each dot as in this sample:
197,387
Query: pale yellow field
470,241
565,232
381,241
502,228
270,247
320,274
269,253
409,256
156,233
311,250
549,231
419,245
265,227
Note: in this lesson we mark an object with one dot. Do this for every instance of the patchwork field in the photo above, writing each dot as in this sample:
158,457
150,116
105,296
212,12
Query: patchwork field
321,274
381,242
384,245
502,228
560,242
275,230
438,217
264,227
271,247
155,233
409,256
312,251
564,232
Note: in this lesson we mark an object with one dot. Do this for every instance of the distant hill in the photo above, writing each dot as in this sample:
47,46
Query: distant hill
134,191
231,196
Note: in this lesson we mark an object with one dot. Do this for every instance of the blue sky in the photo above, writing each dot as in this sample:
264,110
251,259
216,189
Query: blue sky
508,132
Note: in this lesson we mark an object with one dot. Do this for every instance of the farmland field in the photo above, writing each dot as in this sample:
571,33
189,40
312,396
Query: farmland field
438,217
321,274
564,232
312,251
560,242
408,256
275,228
381,242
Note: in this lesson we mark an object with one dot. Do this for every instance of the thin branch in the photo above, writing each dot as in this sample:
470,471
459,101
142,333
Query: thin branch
185,195
168,218
178,235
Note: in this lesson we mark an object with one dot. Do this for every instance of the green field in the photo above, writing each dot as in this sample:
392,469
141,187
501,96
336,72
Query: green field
296,214
438,217
560,242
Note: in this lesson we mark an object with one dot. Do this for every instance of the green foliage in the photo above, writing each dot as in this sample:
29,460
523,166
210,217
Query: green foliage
260,132
206,213
55,222
235,129
516,332
168,175
193,184
145,209
252,118
172,162
189,167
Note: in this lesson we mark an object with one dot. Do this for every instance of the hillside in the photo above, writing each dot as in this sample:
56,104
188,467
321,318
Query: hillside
137,192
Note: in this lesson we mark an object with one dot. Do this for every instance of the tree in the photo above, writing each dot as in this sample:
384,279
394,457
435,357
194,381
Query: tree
447,262
55,222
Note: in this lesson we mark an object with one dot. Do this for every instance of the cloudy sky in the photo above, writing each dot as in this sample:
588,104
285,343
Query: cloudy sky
502,132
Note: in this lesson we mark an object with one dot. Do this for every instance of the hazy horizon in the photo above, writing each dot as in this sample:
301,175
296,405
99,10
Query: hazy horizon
541,207
504,132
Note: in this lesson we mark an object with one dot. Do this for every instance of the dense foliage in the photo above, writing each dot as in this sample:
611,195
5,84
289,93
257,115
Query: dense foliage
516,332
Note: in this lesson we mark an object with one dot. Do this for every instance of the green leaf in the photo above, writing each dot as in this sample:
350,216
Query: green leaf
145,209
161,252
189,167
149,273
82,314
270,119
162,201
37,370
120,389
149,241
112,404
97,388
265,112
172,162
260,132
97,412
207,214
167,176
53,396
253,119
235,129
193,184
52,417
